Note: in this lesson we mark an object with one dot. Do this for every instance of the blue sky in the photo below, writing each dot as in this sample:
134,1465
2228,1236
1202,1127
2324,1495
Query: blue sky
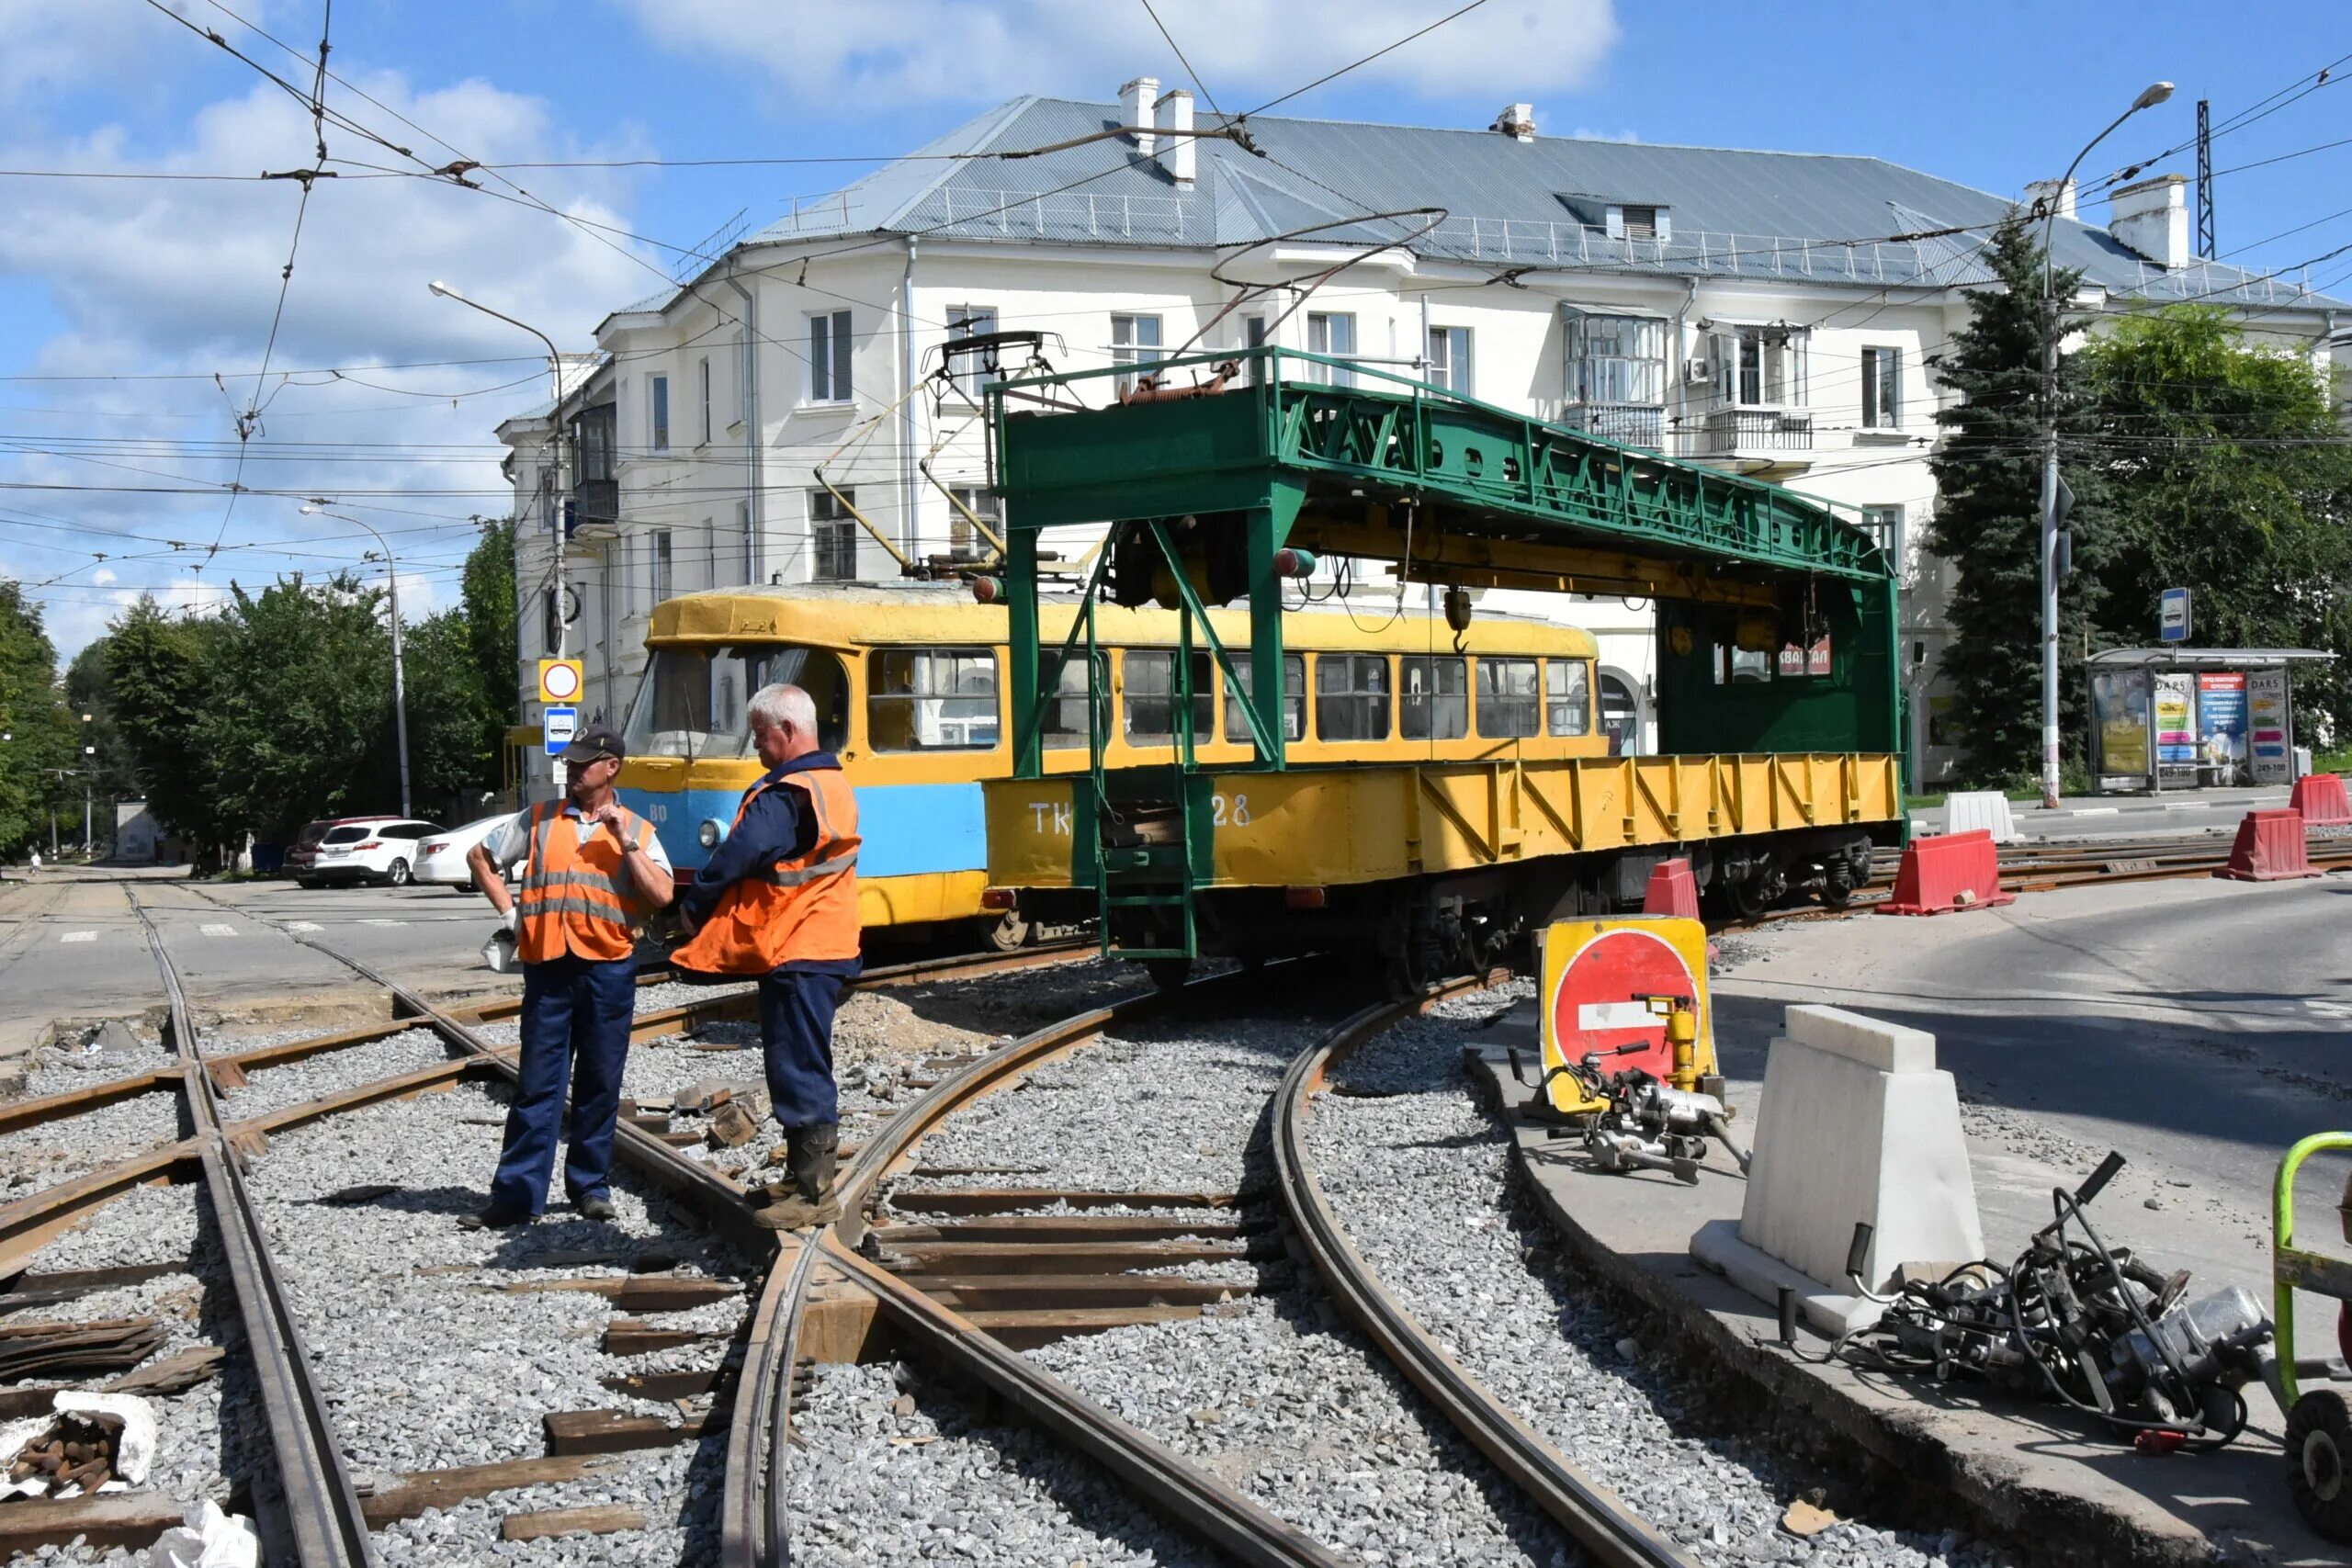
141,280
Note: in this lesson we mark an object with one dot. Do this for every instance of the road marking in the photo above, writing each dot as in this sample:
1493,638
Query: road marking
79,936
383,922
2093,811
302,925
219,931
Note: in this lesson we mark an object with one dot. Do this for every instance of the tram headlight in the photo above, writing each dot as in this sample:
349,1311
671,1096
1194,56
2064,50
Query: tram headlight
711,834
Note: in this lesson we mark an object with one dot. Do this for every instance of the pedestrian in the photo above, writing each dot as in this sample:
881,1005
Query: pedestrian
592,870
778,900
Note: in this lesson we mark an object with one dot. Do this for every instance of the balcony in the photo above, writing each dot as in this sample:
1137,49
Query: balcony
1737,431
597,510
1631,424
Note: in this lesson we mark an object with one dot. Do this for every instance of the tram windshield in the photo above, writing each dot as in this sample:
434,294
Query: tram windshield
693,701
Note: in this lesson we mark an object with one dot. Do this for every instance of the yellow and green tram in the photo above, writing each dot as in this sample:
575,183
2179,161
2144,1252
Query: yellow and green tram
1777,690
907,680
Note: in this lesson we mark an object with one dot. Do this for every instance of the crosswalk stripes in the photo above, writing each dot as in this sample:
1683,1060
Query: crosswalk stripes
302,925
219,930
79,936
383,922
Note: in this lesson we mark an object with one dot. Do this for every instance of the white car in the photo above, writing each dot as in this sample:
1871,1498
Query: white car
443,861
371,851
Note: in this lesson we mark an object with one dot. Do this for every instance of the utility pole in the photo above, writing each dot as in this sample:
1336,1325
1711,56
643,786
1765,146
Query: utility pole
2204,180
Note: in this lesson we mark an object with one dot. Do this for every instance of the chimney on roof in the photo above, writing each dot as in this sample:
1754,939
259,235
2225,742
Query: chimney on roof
1176,115
1136,102
2039,193
1517,122
2151,218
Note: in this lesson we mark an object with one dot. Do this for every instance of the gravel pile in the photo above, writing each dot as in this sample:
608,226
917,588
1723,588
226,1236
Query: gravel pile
331,1072
1420,1175
426,1358
47,1153
92,1055
882,1477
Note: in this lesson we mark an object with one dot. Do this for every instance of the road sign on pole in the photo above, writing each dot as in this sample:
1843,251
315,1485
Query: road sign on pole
2172,615
561,679
558,726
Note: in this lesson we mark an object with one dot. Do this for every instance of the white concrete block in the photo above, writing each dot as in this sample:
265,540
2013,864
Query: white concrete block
1889,1047
1989,809
1841,1139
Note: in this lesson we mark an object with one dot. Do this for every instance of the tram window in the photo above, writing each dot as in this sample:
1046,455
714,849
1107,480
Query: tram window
1065,721
1740,666
1237,727
695,703
1567,696
1506,702
930,699
671,716
1433,697
1151,698
1350,697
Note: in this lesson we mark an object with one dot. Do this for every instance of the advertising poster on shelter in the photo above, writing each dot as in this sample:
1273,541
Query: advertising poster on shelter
2269,735
2175,725
2220,722
2120,704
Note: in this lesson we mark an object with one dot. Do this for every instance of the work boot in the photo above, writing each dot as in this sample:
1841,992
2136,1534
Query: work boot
805,1197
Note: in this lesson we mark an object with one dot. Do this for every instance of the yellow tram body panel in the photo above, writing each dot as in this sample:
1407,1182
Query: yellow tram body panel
1340,826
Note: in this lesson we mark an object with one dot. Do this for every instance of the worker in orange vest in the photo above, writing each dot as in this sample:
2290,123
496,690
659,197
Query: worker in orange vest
778,900
591,871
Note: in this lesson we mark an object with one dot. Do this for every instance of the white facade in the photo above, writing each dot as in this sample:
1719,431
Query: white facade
727,398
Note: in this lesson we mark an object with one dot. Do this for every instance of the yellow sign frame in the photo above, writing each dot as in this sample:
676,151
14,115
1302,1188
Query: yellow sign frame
1565,941
555,694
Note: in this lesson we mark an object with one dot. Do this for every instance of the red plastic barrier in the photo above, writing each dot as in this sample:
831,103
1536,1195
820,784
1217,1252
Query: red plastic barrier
1946,872
1672,891
2320,798
2269,849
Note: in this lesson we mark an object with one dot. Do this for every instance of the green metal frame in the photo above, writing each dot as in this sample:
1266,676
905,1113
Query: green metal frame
2292,1268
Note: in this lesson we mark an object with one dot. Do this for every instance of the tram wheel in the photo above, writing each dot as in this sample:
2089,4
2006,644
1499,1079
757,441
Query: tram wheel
1009,934
1168,973
2319,1463
1752,896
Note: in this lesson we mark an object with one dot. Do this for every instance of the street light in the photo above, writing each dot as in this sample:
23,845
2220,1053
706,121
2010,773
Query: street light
317,508
2150,97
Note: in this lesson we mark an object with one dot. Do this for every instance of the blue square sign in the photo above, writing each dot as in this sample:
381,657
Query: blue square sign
558,726
2172,615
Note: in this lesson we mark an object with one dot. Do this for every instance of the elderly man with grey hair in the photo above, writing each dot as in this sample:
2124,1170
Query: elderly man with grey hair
778,901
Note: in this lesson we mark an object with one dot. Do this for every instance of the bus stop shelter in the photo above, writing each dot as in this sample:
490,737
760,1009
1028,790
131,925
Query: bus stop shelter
2192,717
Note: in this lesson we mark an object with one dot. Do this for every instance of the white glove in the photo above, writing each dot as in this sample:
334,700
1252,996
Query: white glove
506,921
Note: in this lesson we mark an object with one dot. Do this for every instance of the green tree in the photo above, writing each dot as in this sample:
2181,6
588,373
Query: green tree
452,728
159,667
487,593
2229,474
39,736
89,690
1988,511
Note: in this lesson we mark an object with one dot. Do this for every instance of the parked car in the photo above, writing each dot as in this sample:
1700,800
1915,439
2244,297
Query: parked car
304,854
383,850
443,859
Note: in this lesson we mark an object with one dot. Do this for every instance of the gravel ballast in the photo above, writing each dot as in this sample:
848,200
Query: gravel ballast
330,1072
1421,1175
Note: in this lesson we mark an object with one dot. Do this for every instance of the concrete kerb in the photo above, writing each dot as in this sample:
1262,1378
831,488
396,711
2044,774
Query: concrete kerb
1944,1458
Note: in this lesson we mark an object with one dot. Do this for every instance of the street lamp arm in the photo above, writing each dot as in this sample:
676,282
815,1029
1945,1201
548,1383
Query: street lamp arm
555,359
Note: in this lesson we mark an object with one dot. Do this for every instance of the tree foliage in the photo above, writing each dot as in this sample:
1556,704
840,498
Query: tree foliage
40,735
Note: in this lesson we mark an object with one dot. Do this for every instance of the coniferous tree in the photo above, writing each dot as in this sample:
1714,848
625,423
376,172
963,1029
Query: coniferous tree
1988,518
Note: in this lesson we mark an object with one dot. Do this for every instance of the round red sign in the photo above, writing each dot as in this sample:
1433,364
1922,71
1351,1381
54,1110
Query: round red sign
1596,1007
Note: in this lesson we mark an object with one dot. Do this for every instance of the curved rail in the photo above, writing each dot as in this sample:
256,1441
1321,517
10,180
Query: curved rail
323,1511
752,1520
1599,1522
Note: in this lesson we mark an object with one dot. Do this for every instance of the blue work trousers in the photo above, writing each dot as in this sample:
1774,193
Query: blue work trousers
576,1017
796,1040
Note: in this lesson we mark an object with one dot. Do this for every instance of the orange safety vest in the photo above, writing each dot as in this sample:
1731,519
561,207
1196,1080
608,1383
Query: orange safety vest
804,907
575,897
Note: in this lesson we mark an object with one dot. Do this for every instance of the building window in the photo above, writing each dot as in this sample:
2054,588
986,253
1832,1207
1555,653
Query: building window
1449,359
705,372
1237,725
1350,697
974,371
1150,682
1253,336
1639,222
832,536
828,357
750,557
1135,340
662,562
932,699
1567,696
550,621
1888,524
1332,334
1760,366
1433,701
1507,700
1618,360
1882,389
661,402
964,541
1620,717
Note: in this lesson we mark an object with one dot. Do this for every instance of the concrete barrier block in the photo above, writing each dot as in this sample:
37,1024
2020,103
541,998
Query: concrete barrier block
1857,1125
1986,808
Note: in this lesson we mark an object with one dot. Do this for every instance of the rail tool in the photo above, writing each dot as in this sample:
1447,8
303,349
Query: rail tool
2319,1423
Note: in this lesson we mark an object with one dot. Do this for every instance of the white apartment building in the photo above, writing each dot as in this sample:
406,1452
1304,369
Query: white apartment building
1777,314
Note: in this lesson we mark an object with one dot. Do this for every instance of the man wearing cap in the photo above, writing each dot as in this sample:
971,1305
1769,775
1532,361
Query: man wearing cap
778,900
592,869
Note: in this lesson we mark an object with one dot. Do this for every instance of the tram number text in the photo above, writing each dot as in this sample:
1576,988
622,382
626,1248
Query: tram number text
1051,816
1054,816
1233,813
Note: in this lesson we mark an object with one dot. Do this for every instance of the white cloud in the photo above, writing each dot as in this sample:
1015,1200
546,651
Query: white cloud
964,52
